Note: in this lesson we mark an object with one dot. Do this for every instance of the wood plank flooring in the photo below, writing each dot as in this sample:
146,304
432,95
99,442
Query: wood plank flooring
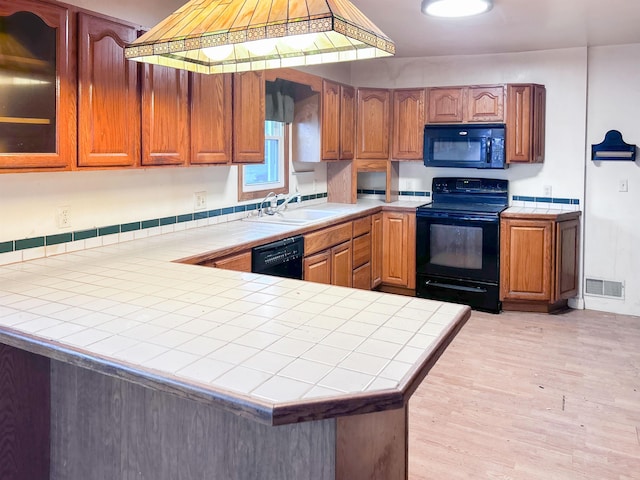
531,396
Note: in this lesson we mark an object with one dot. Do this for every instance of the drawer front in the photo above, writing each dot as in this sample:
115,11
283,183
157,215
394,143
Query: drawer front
327,238
361,226
361,250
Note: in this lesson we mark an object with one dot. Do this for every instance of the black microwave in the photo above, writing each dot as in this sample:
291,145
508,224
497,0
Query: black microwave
464,145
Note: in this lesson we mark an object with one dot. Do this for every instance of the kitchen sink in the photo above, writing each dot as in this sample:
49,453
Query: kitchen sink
302,216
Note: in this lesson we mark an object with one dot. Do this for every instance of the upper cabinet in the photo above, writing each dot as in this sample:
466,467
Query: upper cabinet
470,104
248,117
211,118
108,96
38,111
338,121
372,125
408,124
165,116
526,107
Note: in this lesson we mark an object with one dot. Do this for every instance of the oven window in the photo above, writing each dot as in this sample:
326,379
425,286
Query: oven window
456,246
468,150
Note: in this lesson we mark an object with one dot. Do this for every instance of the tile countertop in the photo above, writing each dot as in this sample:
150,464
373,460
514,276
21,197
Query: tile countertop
272,349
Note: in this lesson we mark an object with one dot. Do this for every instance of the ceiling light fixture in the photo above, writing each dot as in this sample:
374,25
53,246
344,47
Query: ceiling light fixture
455,8
217,36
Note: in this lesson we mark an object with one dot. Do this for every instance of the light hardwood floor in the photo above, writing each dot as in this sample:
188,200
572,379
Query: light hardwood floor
531,396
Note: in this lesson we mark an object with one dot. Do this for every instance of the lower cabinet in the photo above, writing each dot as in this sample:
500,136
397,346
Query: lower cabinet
331,266
240,262
362,253
399,250
376,250
538,260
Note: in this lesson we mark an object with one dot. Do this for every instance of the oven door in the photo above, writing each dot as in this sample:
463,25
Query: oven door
458,246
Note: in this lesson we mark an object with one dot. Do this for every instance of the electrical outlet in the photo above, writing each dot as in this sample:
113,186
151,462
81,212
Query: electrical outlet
547,191
64,217
623,185
200,201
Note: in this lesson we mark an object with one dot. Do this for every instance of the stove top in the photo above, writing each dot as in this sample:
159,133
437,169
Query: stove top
463,208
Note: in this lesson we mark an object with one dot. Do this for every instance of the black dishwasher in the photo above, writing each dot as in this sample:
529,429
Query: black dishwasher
280,259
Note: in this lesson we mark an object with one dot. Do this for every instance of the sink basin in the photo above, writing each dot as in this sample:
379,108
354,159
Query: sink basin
300,216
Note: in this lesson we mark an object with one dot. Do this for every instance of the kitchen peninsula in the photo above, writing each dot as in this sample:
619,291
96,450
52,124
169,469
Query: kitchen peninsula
120,362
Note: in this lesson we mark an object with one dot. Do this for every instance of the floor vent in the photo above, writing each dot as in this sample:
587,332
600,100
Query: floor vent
604,288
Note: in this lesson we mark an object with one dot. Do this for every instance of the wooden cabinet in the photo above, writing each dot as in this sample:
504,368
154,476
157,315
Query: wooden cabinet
248,117
108,95
328,255
376,250
337,121
165,116
211,118
408,124
37,116
538,260
399,249
473,104
331,266
240,262
362,253
373,123
526,110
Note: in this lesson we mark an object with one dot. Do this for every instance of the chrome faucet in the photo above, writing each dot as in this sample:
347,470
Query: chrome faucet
272,198
287,200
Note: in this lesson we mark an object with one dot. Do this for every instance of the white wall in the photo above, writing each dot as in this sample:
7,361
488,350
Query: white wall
612,226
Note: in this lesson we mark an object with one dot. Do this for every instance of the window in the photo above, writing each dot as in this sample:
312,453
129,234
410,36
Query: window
256,181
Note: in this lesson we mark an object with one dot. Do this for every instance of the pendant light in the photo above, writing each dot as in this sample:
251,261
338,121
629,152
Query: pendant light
455,8
217,36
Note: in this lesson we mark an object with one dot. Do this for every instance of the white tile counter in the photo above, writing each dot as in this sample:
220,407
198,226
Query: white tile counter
219,336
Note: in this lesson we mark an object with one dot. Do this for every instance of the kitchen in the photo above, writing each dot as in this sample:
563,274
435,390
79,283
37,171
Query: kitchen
592,87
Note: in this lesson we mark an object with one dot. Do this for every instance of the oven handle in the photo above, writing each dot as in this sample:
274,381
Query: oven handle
456,287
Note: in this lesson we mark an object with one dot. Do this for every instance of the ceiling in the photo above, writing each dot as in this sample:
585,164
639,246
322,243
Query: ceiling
511,26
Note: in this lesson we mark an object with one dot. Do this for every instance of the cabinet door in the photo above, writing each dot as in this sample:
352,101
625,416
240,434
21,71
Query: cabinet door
165,116
485,104
330,122
347,122
525,123
108,98
38,107
361,250
248,117
211,118
373,123
240,262
445,105
341,265
566,261
408,124
317,268
526,253
362,277
376,250
398,249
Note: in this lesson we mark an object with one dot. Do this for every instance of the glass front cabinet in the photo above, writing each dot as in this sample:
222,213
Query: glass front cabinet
37,87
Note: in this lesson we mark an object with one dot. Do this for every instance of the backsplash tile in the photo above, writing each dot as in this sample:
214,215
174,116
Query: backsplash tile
13,251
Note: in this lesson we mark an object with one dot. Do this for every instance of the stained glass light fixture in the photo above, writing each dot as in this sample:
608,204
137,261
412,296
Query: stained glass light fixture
216,36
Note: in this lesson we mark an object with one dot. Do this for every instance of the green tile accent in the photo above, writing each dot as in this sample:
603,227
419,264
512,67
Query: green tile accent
29,243
151,223
167,221
200,215
109,230
58,239
84,234
130,227
185,218
6,247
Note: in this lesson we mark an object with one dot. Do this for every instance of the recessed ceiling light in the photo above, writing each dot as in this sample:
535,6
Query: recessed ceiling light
455,8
